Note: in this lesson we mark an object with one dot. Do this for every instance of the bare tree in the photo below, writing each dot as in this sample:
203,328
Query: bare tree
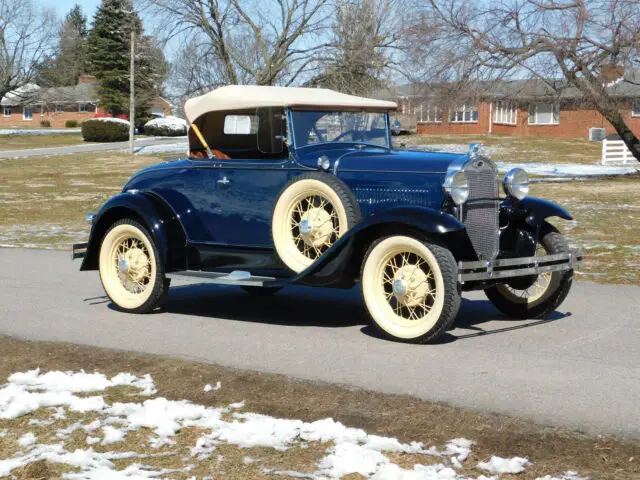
577,39
27,35
364,43
264,42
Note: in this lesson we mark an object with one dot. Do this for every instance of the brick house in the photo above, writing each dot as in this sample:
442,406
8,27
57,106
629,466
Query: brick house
31,104
518,107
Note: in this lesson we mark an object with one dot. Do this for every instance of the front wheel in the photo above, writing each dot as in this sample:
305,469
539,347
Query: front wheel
537,296
410,288
130,270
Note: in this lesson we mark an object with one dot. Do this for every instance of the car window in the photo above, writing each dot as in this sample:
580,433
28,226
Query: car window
240,124
310,127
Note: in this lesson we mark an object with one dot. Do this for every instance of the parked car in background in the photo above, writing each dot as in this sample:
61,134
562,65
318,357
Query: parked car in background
301,186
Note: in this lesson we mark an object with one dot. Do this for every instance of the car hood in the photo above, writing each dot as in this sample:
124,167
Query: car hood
379,160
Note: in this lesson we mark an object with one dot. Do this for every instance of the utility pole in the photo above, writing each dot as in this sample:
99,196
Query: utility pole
132,76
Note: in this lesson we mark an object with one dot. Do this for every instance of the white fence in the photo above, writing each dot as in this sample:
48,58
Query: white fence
616,152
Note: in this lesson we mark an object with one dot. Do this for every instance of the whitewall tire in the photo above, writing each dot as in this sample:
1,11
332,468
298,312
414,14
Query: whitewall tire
410,288
312,212
130,270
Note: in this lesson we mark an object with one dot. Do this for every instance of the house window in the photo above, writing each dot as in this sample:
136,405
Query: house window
83,107
505,112
430,114
635,109
7,111
27,113
59,108
544,114
464,114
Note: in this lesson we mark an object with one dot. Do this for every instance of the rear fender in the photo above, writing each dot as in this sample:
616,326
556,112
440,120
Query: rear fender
340,265
154,213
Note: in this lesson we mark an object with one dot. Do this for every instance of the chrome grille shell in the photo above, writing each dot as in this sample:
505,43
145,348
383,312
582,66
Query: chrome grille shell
480,214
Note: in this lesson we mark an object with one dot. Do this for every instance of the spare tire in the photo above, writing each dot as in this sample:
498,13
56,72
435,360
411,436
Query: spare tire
312,212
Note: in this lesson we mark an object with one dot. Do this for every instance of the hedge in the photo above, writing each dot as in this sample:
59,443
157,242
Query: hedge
45,123
105,130
71,123
166,127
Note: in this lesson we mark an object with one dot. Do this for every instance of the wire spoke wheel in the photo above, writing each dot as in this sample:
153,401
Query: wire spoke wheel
409,288
129,270
311,214
536,290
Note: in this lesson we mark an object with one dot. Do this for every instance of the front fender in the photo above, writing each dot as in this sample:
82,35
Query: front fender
341,263
542,209
150,210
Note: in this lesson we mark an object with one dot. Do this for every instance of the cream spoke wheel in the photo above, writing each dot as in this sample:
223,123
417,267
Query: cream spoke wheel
533,292
405,289
128,267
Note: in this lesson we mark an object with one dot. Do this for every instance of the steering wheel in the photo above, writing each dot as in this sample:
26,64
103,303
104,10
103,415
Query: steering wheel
353,135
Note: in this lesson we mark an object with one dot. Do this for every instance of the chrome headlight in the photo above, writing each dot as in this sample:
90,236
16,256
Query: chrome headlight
456,184
516,183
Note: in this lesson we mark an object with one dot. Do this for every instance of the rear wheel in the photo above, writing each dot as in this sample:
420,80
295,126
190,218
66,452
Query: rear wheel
535,297
410,288
130,270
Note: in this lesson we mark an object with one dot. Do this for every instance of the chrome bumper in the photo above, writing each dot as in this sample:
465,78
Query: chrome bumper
517,267
78,250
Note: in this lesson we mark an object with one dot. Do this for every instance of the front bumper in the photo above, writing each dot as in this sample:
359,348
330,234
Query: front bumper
479,270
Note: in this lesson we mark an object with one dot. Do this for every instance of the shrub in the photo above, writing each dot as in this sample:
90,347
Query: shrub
45,123
71,123
166,127
105,130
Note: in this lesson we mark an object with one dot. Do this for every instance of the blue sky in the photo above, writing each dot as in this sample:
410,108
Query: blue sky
63,6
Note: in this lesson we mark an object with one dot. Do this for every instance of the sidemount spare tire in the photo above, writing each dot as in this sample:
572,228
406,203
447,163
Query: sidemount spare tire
312,212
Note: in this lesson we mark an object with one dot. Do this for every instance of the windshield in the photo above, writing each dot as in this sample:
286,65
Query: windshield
312,127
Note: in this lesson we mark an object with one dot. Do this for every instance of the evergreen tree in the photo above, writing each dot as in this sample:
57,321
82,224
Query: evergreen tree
69,61
109,58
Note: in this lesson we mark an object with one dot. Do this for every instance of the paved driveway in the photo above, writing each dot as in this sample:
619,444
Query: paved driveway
580,368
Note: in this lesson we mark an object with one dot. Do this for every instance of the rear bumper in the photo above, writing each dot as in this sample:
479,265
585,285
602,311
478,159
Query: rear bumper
79,250
517,267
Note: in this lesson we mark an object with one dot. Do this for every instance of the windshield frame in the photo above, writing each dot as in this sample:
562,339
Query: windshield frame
292,136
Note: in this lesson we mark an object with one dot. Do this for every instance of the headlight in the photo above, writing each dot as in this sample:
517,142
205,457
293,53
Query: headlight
516,183
456,184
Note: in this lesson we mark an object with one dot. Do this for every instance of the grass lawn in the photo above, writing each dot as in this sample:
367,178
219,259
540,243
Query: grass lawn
21,142
551,450
504,148
43,203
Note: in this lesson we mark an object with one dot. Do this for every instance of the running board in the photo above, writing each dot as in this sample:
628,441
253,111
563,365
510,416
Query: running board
237,277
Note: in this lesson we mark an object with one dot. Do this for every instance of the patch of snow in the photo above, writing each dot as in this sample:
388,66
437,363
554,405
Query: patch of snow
564,476
249,460
27,440
570,170
501,465
237,405
92,440
178,147
111,119
37,131
171,123
112,435
209,388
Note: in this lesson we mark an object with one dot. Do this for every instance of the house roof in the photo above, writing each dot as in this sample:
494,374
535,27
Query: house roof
517,89
240,97
33,94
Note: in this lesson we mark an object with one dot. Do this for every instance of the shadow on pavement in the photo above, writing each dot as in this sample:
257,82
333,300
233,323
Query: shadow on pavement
322,307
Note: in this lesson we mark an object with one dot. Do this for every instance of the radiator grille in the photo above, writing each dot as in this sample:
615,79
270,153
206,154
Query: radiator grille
480,213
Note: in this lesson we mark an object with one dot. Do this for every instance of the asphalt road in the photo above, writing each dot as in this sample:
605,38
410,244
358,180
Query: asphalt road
580,368
87,147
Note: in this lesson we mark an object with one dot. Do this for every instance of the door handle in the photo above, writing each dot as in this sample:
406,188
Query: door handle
224,180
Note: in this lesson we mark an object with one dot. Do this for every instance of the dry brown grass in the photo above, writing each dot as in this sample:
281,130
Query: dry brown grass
519,149
22,142
552,450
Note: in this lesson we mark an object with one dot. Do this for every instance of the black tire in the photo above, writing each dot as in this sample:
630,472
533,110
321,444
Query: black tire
429,328
157,287
558,289
341,209
261,291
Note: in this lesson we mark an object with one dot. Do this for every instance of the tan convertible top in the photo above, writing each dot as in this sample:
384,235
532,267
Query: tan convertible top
242,97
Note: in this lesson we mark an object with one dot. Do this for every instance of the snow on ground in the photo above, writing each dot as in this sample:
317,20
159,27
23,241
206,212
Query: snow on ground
177,147
349,450
37,131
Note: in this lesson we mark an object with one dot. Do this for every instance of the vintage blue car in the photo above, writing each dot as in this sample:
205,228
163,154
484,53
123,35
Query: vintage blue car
302,186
